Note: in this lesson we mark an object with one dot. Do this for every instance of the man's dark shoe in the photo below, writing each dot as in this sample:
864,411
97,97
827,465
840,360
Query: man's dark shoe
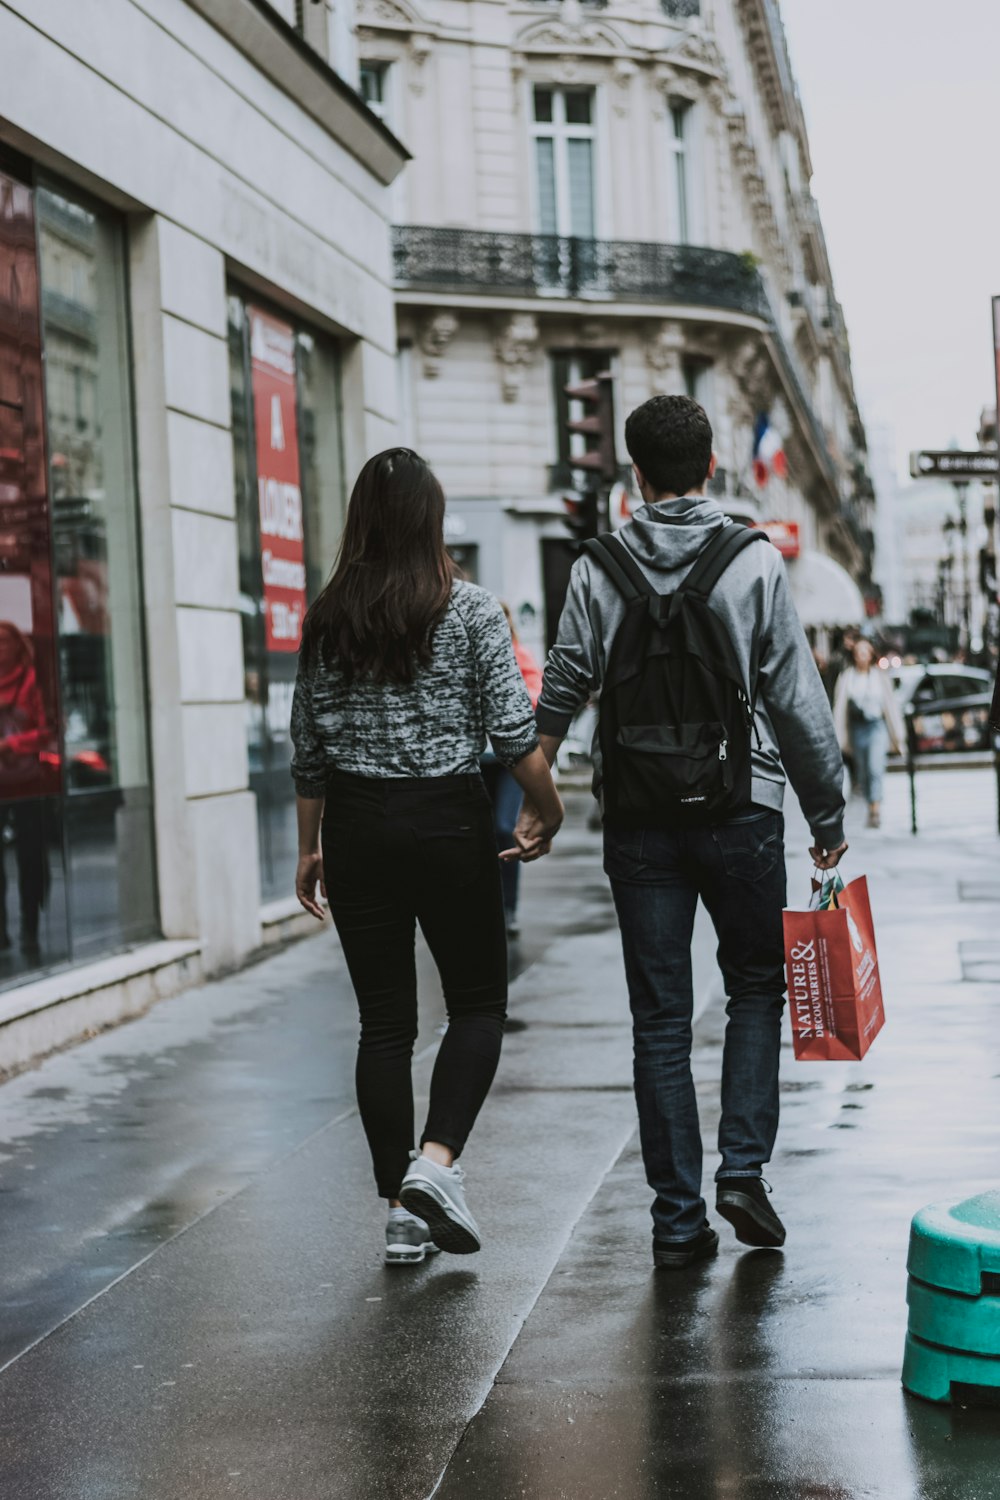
674,1255
743,1201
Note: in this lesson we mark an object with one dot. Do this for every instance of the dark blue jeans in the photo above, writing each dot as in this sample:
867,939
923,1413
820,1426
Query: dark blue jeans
507,799
738,870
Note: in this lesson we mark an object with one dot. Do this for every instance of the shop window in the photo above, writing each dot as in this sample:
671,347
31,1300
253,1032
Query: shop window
76,844
290,508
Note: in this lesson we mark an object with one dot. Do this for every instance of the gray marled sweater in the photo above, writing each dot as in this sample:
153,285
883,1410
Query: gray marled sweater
435,726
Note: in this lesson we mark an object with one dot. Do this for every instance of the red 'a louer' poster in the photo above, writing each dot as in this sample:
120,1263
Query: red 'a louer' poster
282,551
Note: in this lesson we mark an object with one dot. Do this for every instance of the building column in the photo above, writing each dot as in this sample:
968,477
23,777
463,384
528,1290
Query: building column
205,815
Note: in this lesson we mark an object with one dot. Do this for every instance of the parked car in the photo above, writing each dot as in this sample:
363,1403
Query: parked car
951,706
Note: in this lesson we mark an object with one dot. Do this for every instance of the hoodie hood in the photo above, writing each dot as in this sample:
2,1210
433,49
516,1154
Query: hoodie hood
670,534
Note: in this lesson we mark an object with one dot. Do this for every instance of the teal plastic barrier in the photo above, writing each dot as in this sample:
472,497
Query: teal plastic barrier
954,1299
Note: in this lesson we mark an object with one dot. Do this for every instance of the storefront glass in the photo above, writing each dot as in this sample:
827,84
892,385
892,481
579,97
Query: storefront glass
290,508
76,843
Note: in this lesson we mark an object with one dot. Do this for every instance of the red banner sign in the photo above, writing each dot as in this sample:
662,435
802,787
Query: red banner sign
784,535
282,549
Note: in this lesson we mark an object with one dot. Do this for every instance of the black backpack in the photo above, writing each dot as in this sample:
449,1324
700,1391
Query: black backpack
676,716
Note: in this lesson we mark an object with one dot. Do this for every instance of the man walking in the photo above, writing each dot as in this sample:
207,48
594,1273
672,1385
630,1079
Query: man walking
709,694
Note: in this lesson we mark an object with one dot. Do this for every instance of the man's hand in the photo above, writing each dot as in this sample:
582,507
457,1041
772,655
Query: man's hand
532,836
308,872
828,859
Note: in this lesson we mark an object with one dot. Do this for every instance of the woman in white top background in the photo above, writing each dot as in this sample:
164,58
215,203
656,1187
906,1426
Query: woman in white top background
868,722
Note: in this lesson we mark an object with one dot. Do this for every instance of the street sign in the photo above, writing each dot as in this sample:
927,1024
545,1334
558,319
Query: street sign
949,464
783,534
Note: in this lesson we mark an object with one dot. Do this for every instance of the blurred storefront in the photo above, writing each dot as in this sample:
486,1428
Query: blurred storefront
196,346
290,504
76,850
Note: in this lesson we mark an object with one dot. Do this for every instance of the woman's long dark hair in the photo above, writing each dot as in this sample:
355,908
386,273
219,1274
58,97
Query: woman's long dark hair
392,580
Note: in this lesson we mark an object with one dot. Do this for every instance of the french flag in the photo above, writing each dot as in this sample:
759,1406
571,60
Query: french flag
768,454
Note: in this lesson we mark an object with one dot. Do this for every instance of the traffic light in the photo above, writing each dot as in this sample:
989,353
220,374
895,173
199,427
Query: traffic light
597,426
582,514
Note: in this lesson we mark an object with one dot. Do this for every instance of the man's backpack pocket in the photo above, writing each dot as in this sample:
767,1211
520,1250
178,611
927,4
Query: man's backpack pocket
681,766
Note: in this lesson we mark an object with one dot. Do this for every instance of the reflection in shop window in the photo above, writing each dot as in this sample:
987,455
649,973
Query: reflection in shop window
290,507
108,811
76,852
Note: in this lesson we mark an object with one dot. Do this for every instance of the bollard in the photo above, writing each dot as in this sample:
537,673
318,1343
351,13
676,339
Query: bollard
953,1339
911,765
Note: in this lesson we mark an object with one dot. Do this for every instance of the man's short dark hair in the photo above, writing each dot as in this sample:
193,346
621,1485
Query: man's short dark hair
669,439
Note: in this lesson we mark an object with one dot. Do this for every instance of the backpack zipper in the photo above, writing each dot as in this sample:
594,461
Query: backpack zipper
724,750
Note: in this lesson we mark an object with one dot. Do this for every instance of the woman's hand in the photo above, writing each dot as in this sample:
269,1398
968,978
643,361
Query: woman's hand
533,835
542,814
308,872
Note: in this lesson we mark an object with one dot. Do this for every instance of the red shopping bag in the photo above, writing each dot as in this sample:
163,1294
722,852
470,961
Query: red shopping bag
834,990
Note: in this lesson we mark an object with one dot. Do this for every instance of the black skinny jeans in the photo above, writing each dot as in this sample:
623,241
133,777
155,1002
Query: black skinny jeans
397,852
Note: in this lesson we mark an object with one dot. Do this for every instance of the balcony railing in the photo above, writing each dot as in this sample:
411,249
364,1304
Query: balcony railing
539,265
546,266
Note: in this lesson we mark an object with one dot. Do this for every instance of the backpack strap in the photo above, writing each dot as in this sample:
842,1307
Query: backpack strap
714,559
621,567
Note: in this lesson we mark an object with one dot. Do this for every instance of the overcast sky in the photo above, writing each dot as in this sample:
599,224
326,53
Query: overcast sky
902,103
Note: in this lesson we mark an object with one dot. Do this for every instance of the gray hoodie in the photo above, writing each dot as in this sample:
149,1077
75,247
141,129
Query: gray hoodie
753,599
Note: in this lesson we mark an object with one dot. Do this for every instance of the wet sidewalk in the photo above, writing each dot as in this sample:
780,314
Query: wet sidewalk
775,1376
193,1304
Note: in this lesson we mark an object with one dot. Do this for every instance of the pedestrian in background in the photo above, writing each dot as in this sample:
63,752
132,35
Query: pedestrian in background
404,671
666,855
840,659
24,734
504,791
868,722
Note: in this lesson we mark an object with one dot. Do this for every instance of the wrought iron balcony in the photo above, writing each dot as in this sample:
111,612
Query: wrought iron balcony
539,265
546,266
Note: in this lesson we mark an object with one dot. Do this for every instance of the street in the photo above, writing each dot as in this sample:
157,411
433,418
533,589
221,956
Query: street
193,1296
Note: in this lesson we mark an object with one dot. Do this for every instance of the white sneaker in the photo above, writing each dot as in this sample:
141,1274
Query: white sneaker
435,1194
407,1239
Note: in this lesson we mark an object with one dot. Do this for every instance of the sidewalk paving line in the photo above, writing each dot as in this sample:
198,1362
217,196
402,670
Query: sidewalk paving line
490,1380
171,1239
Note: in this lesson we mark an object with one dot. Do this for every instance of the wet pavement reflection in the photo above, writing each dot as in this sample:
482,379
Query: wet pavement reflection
258,1348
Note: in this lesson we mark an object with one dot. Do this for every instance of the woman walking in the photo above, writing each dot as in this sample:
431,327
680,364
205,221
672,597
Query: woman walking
504,791
403,674
868,720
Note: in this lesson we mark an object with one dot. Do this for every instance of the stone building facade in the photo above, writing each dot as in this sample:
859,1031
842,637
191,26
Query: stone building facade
621,186
197,346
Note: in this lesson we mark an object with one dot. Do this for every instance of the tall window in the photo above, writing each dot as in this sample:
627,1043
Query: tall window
698,378
373,86
563,136
680,116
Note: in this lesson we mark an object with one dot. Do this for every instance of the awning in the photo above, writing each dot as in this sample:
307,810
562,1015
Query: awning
824,592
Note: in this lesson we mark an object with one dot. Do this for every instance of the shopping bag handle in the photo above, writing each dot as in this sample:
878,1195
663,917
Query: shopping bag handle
817,885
